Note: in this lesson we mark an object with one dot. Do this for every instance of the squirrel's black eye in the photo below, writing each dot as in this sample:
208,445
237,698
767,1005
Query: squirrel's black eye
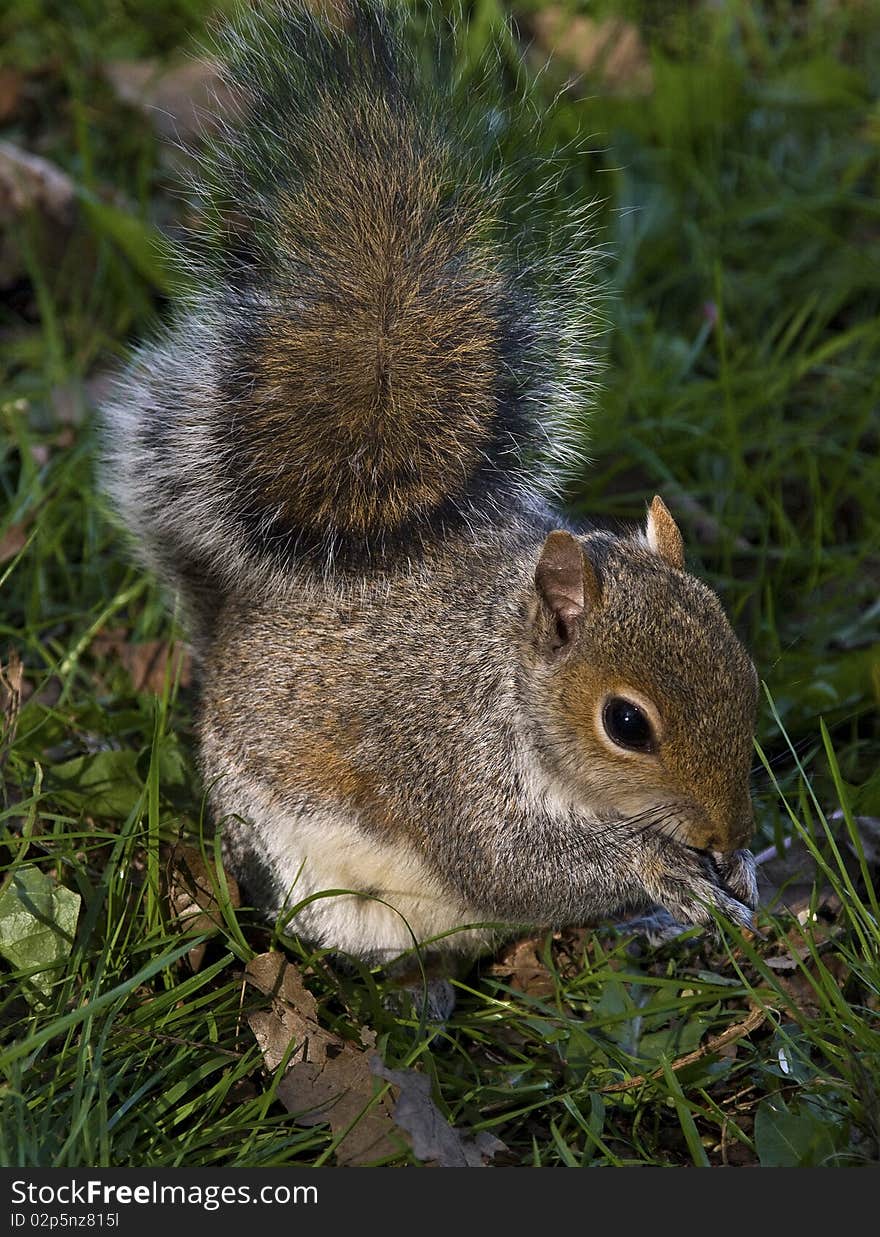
627,725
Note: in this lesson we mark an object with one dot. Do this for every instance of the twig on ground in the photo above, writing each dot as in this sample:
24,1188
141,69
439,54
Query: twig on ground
739,1030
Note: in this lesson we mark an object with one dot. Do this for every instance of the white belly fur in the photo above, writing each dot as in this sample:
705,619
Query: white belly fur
312,854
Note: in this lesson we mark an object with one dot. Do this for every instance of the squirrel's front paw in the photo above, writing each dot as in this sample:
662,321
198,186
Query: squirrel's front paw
690,884
740,875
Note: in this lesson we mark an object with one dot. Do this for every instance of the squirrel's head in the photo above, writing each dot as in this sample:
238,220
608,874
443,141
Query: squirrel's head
651,696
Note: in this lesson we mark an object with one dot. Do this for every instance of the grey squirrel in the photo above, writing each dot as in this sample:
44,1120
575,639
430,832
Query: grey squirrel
420,684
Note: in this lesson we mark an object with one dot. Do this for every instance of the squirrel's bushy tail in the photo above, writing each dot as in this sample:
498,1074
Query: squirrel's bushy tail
364,364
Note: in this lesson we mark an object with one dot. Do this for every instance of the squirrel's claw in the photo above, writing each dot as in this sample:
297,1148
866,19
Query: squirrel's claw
690,884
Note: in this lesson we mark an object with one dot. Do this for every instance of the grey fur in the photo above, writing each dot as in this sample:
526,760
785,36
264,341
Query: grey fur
429,692
421,735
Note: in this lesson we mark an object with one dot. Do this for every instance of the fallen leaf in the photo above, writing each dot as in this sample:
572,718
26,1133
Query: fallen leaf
609,48
108,780
521,965
332,1080
339,1091
14,540
191,888
147,661
11,685
11,87
433,1139
29,182
179,100
800,992
783,963
274,976
329,1079
37,926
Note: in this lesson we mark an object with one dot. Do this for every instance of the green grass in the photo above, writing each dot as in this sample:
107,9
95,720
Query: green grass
740,215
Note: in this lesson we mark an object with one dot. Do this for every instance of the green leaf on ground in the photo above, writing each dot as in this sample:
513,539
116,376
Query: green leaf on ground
37,925
786,1139
108,781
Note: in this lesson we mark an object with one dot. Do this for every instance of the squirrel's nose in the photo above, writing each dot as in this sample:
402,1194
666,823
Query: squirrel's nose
732,830
722,826
706,836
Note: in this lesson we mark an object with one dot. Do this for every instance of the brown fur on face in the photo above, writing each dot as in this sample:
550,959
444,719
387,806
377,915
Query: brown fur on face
658,637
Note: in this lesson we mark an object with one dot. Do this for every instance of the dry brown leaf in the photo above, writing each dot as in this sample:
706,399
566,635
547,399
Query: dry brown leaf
334,1081
14,540
11,89
29,182
339,1092
190,886
329,1079
178,100
434,1140
147,661
611,49
521,965
799,981
801,993
274,976
11,683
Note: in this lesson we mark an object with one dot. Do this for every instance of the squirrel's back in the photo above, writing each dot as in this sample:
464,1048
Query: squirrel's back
370,357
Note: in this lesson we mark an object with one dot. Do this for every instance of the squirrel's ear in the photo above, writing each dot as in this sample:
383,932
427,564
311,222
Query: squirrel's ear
566,584
663,535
